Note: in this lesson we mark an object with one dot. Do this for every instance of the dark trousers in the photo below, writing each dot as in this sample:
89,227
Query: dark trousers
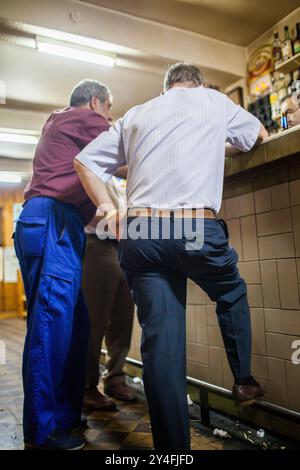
157,270
49,243
110,306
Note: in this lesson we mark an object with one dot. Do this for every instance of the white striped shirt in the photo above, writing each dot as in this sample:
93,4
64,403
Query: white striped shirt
174,146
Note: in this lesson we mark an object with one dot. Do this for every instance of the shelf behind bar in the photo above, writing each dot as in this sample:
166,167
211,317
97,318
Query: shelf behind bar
289,65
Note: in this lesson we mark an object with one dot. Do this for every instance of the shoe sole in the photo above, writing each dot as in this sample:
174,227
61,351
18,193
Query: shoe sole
249,402
33,447
242,404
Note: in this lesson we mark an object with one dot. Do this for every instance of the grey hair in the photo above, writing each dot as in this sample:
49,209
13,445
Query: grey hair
182,72
83,92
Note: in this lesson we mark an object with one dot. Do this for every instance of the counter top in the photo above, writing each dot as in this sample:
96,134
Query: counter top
275,147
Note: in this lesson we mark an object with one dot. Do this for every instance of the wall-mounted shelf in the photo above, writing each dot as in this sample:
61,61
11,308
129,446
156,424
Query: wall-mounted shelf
289,65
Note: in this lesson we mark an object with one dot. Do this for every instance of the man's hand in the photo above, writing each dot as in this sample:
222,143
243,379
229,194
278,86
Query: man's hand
111,222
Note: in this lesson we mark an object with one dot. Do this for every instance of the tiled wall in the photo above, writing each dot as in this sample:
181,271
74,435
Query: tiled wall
262,210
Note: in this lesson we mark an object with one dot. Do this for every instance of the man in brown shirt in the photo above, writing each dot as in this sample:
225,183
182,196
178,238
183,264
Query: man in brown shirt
49,242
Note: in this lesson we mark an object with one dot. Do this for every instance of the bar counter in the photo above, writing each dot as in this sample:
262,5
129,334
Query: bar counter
276,147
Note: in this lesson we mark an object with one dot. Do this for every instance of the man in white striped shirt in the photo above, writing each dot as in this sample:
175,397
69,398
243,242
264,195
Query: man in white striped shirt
174,146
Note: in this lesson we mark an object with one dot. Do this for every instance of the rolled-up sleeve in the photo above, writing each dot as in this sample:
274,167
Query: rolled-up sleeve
242,127
105,154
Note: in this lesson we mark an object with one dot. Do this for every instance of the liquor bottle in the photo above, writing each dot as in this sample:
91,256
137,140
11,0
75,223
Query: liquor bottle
290,86
282,87
277,52
287,46
274,100
296,43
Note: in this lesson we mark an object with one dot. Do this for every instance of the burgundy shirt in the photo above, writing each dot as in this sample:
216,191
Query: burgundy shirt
65,134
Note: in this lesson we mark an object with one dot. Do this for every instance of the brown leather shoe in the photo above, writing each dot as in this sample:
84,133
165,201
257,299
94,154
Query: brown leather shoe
245,395
121,391
95,400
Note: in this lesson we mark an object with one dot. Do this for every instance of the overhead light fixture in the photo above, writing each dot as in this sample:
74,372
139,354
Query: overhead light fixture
9,177
64,49
18,136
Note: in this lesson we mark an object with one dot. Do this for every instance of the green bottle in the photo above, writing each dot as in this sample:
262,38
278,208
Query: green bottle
296,44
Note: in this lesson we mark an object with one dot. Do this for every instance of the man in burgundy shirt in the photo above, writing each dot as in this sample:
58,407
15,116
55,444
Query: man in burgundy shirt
49,242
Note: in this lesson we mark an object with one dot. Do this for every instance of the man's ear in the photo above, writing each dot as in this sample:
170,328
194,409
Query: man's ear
94,102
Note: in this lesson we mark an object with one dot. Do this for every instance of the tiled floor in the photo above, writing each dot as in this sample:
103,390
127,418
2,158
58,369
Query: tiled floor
126,428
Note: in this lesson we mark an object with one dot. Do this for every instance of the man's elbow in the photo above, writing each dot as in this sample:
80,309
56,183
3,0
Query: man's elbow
263,134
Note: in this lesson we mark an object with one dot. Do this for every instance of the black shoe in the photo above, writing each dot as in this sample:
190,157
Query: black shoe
80,426
58,440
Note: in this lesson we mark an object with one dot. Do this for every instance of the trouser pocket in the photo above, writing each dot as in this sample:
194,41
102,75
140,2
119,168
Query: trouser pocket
58,291
31,235
224,226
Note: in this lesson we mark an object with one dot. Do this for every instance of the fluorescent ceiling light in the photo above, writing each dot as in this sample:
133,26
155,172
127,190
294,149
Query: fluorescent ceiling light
8,177
66,50
18,138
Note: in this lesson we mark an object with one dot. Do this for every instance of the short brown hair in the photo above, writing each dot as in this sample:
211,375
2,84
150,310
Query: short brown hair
182,72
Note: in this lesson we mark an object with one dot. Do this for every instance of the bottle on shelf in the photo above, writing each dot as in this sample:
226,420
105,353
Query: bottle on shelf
274,100
282,87
277,49
296,43
287,45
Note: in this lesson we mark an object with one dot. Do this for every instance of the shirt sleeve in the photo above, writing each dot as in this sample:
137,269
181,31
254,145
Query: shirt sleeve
242,127
105,154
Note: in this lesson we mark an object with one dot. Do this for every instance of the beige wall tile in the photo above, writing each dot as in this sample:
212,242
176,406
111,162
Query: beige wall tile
197,352
190,323
296,228
211,315
295,192
235,236
258,331
249,238
250,272
277,382
259,366
288,283
270,284
280,196
195,295
271,223
214,336
198,371
215,365
239,206
293,385
262,199
279,346
276,246
282,321
201,324
255,298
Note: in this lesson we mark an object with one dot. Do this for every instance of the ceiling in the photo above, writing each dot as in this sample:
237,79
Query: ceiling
235,21
37,83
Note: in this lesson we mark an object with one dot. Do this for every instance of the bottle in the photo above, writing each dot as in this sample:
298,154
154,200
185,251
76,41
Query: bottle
296,43
274,100
282,87
277,52
287,46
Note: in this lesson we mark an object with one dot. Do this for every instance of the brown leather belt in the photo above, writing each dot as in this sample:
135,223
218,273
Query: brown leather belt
176,213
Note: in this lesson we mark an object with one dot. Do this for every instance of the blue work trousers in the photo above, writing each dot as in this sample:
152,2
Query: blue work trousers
49,243
157,270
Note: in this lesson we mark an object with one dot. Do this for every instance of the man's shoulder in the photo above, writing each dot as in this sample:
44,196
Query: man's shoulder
78,115
140,107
